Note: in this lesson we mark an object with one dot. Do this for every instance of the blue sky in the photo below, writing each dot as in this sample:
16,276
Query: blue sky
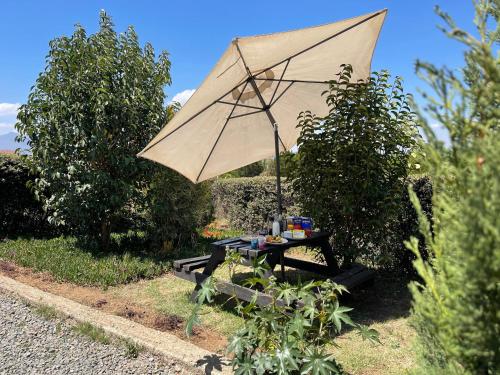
195,33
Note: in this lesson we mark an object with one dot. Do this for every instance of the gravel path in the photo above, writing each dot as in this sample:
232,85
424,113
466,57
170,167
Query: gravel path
30,344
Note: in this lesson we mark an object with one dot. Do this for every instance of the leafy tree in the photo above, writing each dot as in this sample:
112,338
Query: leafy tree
456,306
96,104
290,335
351,167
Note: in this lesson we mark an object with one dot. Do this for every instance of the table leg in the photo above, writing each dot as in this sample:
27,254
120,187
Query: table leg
272,259
282,264
218,256
327,251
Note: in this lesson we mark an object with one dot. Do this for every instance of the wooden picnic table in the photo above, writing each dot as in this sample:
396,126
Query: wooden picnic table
275,254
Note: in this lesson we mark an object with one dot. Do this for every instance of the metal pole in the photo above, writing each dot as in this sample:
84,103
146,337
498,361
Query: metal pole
266,107
278,168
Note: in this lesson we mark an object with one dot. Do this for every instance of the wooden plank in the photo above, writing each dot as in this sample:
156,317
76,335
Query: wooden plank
359,279
305,265
179,263
226,241
348,273
243,293
255,253
194,266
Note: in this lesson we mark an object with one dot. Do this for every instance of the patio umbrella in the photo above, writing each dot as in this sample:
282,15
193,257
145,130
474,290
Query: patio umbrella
261,82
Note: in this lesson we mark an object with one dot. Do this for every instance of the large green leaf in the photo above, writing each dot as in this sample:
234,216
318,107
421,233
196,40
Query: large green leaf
316,362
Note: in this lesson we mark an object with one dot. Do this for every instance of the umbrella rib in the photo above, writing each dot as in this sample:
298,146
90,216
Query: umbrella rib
279,82
326,39
280,95
239,105
291,80
191,118
251,78
222,130
246,114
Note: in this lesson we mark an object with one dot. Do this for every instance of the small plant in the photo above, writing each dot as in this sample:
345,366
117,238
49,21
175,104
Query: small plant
45,311
291,334
94,333
132,349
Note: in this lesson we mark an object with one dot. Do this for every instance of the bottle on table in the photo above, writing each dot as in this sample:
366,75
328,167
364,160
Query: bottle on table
276,226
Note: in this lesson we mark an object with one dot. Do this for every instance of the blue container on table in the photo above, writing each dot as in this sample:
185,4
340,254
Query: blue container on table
306,223
254,243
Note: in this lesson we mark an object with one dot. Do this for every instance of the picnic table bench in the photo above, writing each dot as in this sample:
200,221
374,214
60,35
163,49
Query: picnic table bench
275,254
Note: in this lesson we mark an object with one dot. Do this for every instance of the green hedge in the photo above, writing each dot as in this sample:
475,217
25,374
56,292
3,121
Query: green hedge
248,202
20,213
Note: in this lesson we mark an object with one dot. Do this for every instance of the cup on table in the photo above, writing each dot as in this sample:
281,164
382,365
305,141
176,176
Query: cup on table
254,243
262,242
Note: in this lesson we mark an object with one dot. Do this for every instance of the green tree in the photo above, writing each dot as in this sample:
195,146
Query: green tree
456,308
351,167
96,104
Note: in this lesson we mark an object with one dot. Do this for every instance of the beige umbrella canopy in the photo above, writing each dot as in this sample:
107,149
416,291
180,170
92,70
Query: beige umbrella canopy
259,82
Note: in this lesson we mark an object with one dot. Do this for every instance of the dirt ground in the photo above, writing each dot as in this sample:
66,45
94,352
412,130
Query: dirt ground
117,304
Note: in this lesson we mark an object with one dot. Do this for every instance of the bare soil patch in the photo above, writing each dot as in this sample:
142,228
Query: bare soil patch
117,304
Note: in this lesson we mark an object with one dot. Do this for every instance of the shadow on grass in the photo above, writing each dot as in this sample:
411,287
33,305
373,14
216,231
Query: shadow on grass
386,298
211,363
139,245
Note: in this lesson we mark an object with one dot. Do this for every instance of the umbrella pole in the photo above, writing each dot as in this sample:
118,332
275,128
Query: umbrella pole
265,107
278,168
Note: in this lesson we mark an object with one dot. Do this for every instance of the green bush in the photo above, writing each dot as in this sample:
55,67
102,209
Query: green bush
456,306
352,165
249,202
396,257
20,213
176,208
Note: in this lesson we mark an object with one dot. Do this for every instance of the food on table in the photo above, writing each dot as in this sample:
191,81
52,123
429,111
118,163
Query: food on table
307,226
274,239
297,222
298,234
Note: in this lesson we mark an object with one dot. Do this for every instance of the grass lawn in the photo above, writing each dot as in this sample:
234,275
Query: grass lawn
143,283
66,260
383,306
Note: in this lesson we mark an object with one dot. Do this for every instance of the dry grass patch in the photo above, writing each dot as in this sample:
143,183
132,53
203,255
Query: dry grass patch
169,295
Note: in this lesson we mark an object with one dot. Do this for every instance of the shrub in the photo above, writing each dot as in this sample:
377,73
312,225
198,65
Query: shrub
248,203
396,257
176,208
289,338
351,167
456,306
20,213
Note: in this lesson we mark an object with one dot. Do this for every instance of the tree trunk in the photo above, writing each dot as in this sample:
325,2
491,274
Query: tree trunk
105,234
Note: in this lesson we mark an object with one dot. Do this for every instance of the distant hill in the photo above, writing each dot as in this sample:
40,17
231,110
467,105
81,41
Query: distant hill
8,142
